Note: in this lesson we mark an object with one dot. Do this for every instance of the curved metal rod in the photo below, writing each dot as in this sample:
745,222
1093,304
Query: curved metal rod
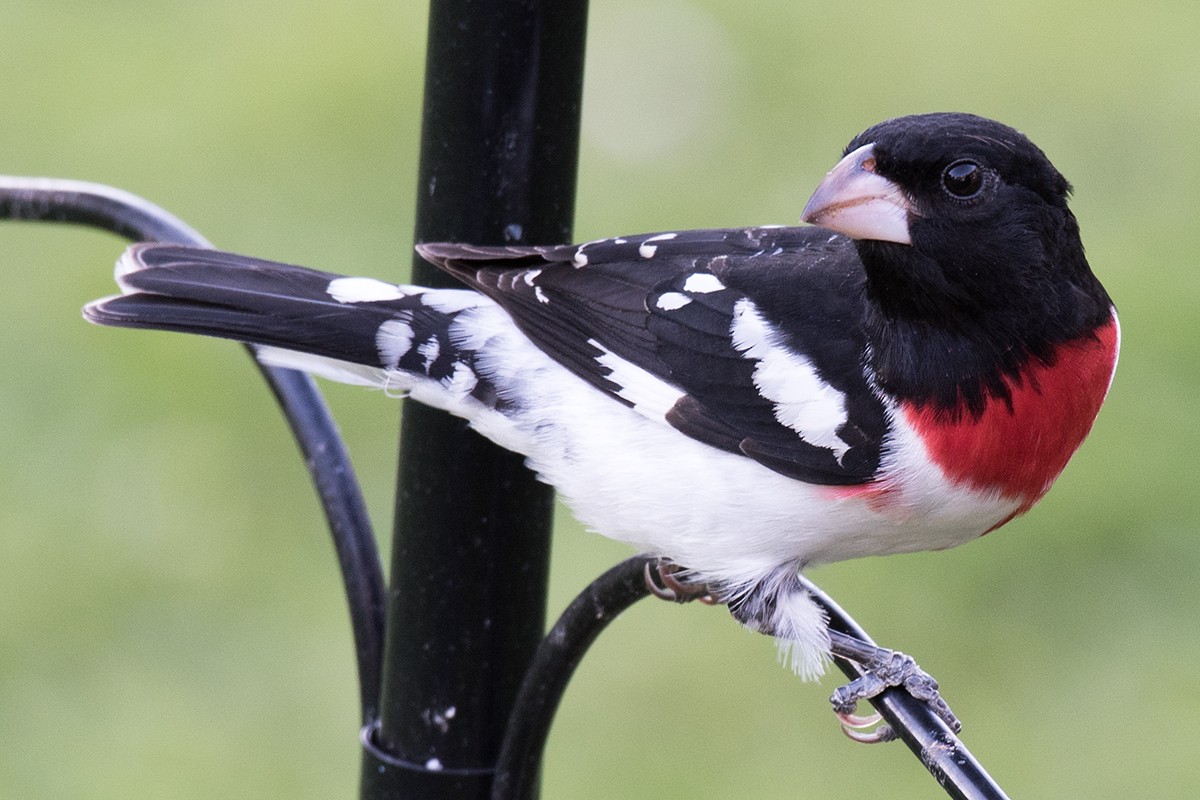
94,205
118,211
552,667
949,761
925,733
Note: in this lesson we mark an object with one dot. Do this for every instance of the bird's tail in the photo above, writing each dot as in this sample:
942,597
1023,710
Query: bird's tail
356,330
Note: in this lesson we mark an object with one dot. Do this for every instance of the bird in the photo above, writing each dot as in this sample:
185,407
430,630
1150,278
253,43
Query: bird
909,371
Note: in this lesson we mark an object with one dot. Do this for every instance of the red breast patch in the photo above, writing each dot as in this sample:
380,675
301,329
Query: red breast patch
1018,449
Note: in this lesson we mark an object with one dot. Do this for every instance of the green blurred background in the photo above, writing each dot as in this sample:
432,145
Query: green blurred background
171,622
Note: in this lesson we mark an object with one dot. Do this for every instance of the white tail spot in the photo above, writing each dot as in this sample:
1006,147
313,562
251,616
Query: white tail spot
363,290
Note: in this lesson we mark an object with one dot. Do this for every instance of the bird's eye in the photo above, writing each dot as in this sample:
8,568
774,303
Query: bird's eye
963,179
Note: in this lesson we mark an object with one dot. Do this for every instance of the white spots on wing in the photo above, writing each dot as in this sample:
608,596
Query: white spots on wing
650,395
647,248
702,283
671,301
581,258
528,277
429,350
393,339
363,290
803,401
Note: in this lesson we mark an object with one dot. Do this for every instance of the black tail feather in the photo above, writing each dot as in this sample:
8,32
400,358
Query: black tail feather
349,336
214,293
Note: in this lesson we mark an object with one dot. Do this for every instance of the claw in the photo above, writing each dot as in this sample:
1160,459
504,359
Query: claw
661,580
652,574
855,721
883,733
855,727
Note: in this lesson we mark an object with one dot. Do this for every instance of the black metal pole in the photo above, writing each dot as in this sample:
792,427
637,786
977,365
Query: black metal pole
472,538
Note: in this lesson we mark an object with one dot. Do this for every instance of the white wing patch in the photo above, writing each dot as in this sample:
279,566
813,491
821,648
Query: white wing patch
672,301
702,283
651,396
803,401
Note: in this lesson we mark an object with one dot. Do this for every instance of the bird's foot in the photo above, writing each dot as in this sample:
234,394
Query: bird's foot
884,669
663,581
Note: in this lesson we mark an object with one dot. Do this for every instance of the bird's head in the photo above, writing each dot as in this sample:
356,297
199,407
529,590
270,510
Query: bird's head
950,212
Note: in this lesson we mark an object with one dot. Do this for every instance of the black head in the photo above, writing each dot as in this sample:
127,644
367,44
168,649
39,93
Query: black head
963,228
987,215
920,153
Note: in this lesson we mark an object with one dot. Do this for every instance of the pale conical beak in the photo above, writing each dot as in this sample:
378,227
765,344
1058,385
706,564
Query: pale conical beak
857,202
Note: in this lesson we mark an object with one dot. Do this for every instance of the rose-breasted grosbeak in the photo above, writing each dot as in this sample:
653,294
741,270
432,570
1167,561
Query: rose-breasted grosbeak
909,375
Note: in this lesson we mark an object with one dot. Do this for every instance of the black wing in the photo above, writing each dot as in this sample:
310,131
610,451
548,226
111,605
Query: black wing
668,302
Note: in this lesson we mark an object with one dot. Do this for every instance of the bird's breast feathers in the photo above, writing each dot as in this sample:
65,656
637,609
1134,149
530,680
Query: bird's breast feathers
1018,445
